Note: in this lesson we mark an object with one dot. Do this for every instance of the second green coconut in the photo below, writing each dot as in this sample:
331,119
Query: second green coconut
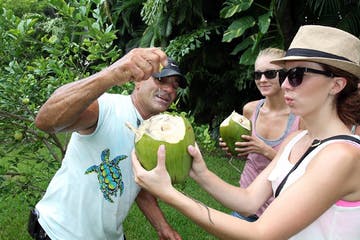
232,128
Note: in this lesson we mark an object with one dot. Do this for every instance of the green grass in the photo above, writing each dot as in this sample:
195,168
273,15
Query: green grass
14,206
14,214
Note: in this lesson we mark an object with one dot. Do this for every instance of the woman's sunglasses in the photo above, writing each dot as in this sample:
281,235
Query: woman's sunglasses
295,75
269,74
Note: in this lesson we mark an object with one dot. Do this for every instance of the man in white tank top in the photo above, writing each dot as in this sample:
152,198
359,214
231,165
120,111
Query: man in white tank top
91,194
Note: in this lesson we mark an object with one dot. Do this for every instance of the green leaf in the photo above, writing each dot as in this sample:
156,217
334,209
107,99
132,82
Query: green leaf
151,11
53,39
264,22
243,44
248,57
234,6
238,27
96,26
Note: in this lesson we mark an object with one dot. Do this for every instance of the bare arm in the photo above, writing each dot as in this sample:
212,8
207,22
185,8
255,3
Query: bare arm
74,107
323,183
150,208
234,197
242,200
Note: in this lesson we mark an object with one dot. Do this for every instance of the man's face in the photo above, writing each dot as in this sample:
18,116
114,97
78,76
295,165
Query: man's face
155,95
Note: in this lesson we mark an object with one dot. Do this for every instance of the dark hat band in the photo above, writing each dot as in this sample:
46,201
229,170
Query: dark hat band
303,52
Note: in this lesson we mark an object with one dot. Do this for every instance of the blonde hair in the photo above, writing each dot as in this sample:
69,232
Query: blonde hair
274,52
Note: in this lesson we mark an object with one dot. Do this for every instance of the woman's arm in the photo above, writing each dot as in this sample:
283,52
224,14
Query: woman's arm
323,183
233,197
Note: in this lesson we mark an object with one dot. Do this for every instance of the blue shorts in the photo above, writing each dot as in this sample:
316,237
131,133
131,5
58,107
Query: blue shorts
251,218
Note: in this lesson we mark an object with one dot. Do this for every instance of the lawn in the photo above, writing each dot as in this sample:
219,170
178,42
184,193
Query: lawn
14,208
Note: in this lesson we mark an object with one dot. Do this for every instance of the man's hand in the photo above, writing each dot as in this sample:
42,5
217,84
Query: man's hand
167,233
148,204
137,65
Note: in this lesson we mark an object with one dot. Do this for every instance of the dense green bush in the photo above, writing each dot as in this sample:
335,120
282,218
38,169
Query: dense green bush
40,53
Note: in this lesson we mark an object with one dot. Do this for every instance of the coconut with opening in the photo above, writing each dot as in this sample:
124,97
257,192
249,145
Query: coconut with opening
176,133
232,128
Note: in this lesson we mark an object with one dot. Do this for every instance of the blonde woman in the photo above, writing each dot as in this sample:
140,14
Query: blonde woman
264,142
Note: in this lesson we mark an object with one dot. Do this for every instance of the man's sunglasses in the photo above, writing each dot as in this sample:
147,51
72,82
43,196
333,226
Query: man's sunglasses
269,74
295,75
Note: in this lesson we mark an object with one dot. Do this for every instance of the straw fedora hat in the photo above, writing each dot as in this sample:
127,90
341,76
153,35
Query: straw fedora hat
326,45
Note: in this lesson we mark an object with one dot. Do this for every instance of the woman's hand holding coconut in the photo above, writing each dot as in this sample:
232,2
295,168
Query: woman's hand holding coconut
198,169
253,145
158,181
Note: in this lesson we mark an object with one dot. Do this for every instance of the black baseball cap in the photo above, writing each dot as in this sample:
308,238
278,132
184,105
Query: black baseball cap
172,69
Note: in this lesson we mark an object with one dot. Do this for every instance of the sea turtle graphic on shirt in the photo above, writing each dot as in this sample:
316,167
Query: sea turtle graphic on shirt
108,174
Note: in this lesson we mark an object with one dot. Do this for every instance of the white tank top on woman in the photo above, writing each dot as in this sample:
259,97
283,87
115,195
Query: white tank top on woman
340,221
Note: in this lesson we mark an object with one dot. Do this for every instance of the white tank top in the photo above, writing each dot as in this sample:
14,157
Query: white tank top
341,221
78,206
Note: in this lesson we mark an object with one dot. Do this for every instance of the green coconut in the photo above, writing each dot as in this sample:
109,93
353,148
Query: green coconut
176,133
232,128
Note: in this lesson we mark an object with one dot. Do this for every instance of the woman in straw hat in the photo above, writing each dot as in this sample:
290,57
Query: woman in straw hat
316,197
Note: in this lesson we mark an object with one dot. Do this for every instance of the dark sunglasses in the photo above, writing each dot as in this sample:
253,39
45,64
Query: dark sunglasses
295,75
269,74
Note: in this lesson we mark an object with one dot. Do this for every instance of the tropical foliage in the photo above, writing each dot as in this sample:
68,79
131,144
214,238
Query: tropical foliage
45,44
